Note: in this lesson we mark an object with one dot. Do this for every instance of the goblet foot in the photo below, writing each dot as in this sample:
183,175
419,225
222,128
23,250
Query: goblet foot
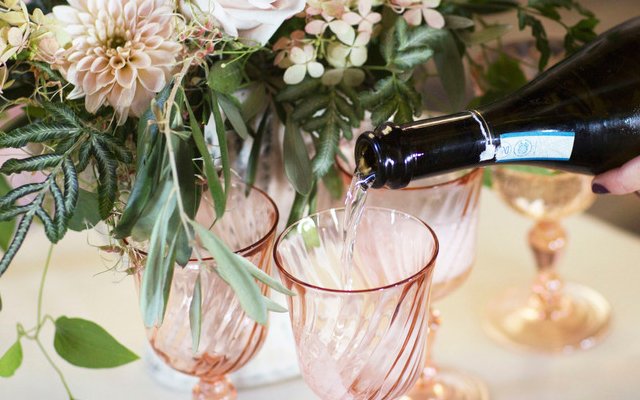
447,384
219,388
577,322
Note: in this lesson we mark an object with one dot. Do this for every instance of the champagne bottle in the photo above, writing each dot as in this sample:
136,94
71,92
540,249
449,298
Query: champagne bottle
581,115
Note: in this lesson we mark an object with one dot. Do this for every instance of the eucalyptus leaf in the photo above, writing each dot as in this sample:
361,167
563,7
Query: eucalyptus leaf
273,306
230,269
222,141
255,102
213,182
234,115
86,344
297,165
158,271
195,314
11,360
263,276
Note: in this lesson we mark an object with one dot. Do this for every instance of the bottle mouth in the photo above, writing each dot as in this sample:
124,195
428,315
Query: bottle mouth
368,163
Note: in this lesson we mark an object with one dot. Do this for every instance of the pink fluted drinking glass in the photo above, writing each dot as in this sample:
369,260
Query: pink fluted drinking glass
365,340
229,338
449,203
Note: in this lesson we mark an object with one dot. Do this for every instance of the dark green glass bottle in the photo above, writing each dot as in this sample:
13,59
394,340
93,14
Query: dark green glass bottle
581,115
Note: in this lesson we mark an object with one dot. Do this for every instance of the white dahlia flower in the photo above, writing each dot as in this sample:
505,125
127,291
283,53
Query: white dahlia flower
122,52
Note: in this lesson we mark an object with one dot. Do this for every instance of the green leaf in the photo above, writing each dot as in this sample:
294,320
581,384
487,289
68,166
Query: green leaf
231,270
458,22
404,114
86,214
9,195
143,227
420,36
309,107
273,306
225,76
62,112
256,146
222,142
451,70
334,183
145,186
11,360
263,276
412,58
107,179
296,92
505,74
86,344
38,132
297,208
540,35
255,102
6,228
388,43
326,148
195,315
485,35
233,114
16,242
213,182
71,187
384,111
297,165
158,272
35,163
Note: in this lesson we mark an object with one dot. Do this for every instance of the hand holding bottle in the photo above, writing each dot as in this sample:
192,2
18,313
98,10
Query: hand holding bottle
621,180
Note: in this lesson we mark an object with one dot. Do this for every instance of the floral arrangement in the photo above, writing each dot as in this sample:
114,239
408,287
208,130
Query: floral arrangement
127,107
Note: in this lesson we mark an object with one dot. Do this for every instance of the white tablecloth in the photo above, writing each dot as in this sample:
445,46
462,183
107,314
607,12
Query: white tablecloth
599,255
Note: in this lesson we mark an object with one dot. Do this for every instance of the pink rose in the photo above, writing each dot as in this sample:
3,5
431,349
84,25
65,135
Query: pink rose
256,20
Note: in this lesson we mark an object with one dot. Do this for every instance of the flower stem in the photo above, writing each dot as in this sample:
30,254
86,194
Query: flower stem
55,367
40,323
41,288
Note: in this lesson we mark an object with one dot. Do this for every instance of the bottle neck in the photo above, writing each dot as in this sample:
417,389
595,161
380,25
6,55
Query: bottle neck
396,154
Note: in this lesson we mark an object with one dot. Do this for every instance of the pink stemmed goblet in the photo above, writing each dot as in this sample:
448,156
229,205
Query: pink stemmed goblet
364,340
229,338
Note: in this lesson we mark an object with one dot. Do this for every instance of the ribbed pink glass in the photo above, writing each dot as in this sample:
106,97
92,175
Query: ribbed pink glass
229,338
368,341
449,203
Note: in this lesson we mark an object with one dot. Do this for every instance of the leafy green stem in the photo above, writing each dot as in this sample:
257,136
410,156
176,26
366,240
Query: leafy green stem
55,367
41,288
172,161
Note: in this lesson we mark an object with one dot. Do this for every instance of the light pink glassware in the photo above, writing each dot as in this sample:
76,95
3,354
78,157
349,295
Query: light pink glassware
229,338
367,342
449,203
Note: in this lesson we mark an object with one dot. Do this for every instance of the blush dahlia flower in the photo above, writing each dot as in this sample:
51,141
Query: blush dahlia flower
122,52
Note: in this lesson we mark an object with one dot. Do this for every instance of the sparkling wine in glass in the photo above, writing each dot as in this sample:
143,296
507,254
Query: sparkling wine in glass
551,315
229,338
367,341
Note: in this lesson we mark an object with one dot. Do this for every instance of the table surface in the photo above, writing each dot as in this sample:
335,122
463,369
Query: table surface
599,255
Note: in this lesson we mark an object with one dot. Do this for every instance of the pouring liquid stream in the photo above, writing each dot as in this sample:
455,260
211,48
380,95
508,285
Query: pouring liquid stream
354,206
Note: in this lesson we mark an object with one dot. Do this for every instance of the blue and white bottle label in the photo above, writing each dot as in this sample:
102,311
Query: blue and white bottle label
535,145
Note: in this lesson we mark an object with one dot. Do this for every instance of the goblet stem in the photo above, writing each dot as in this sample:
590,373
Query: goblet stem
430,369
218,388
548,240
